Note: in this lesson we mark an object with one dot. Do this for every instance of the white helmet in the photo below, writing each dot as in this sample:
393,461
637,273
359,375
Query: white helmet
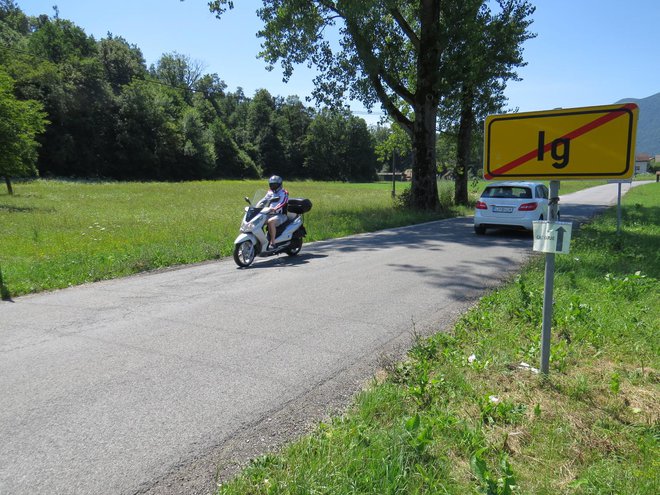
275,182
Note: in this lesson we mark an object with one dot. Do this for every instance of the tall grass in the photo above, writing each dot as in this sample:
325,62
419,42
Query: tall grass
468,412
56,234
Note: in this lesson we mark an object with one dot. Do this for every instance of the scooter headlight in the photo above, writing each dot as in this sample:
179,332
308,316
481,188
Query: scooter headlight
247,227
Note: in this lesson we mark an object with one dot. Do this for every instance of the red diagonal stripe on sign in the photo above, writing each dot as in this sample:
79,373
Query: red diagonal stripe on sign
608,117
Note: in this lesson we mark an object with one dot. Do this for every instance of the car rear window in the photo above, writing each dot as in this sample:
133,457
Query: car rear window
507,192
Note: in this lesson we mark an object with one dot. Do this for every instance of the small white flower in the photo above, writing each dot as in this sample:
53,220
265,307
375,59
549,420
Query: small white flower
494,399
472,358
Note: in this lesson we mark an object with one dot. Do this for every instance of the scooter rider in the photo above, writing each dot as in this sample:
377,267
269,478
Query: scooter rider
277,213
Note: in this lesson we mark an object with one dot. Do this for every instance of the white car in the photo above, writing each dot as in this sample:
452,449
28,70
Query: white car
511,205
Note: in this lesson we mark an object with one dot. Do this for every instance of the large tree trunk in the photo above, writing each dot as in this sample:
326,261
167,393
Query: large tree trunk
464,146
10,189
424,188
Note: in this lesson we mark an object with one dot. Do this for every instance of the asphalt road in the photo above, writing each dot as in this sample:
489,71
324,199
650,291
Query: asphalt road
155,383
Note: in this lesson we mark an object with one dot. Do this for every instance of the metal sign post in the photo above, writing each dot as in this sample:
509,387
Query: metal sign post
618,210
619,183
549,285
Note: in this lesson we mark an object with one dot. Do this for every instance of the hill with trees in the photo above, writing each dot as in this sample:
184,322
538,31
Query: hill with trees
648,126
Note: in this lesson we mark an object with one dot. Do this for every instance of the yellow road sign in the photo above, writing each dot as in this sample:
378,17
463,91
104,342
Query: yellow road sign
572,143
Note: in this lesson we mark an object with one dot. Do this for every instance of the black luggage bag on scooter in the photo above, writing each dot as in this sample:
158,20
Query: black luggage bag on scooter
299,205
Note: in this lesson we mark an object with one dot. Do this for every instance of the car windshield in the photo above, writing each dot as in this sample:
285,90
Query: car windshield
507,192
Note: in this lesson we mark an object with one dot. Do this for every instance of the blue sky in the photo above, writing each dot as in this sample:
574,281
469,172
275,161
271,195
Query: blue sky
587,52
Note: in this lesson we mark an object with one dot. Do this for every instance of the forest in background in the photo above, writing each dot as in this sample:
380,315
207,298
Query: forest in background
109,116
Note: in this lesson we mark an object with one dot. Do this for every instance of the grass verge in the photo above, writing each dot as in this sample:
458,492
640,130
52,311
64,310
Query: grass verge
467,413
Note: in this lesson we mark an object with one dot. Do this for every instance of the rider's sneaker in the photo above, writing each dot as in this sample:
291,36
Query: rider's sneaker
270,247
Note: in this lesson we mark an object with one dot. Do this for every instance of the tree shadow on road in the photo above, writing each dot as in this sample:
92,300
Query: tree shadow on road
427,236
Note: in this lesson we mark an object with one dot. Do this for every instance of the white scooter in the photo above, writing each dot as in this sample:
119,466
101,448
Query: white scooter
253,239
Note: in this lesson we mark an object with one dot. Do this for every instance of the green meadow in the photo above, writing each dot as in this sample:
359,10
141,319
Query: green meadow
57,234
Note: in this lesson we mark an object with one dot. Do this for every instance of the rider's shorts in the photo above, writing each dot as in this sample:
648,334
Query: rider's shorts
281,218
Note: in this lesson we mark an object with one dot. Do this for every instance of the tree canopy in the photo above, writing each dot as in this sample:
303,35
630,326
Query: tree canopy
400,53
20,123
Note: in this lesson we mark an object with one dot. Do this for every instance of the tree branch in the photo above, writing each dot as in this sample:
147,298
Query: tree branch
403,24
375,70
390,107
372,65
397,87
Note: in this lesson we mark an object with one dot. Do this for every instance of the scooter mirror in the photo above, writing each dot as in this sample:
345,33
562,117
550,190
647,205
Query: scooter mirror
247,200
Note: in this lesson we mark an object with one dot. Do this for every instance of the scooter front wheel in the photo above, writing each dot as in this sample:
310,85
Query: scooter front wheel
244,253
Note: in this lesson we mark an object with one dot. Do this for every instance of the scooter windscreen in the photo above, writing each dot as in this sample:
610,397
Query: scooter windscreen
258,196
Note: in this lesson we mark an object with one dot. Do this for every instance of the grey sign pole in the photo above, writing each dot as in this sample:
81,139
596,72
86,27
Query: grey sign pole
549,284
618,211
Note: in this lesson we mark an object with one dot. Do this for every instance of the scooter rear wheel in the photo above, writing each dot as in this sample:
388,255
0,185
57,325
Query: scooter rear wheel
295,247
244,254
